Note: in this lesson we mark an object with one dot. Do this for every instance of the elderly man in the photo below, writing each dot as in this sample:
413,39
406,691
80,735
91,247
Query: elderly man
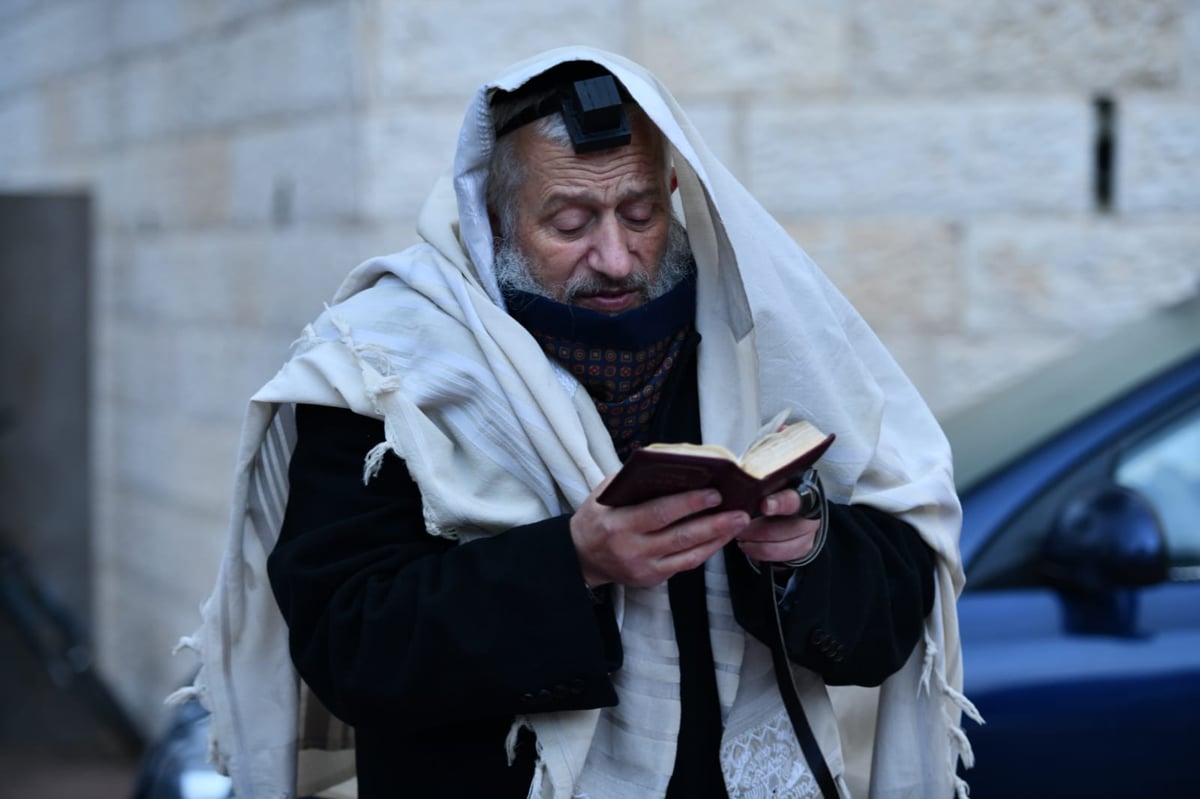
452,586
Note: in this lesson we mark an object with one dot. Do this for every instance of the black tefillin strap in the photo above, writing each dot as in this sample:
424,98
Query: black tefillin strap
813,505
791,699
592,108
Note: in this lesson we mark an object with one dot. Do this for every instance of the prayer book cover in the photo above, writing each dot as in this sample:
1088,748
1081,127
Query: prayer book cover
770,463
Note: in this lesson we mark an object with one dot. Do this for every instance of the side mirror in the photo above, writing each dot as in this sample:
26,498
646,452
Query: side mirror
1107,538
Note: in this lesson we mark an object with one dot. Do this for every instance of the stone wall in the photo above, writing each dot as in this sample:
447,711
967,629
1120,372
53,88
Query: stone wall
243,154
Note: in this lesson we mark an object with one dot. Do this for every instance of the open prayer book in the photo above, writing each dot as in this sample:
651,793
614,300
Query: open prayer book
775,459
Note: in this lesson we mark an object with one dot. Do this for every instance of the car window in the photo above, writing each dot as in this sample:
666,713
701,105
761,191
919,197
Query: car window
1158,459
1165,468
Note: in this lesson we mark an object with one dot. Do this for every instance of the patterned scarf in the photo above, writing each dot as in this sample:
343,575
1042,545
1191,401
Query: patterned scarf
622,360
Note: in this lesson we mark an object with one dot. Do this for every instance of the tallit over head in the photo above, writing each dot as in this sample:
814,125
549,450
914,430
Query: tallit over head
421,339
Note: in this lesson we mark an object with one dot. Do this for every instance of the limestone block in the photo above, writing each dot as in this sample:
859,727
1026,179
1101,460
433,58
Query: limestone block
76,113
172,92
1158,154
150,581
304,266
714,47
298,59
407,147
1029,155
718,123
57,38
1191,45
303,171
143,367
233,12
112,255
963,369
208,316
226,367
953,45
998,154
225,379
427,48
173,183
210,276
139,24
21,121
917,357
142,620
11,11
902,274
1064,276
181,460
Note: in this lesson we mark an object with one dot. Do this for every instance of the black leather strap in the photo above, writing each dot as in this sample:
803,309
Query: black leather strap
791,699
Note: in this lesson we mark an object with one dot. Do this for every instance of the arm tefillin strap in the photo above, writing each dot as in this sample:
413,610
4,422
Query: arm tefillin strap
590,100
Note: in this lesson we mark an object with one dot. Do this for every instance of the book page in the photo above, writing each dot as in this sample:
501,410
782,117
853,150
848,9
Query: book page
699,450
780,448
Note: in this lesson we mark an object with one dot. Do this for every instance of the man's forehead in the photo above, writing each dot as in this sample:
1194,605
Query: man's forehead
631,169
563,195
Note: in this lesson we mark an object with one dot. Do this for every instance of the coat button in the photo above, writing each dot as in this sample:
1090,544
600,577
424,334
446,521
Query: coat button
526,699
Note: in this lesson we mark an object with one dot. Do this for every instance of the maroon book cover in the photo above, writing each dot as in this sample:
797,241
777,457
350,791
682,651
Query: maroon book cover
651,473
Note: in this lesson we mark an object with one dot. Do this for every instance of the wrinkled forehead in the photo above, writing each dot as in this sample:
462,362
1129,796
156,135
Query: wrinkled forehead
640,160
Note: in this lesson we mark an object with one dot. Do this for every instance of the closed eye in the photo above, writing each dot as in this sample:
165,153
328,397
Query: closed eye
640,214
571,220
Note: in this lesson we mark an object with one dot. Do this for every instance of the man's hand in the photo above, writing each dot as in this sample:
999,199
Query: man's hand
643,545
779,535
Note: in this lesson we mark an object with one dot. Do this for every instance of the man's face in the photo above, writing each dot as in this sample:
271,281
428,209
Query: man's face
593,227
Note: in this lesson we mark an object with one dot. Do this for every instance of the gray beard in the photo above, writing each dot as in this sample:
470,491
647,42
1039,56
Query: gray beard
513,271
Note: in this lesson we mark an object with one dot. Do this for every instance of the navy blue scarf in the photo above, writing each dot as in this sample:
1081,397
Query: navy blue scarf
621,359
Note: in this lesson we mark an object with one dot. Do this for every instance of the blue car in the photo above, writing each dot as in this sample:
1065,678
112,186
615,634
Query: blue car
1080,621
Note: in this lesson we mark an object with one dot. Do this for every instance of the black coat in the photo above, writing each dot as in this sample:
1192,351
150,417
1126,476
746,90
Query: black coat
430,649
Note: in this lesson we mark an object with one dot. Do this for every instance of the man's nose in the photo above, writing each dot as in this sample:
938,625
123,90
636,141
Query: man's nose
610,254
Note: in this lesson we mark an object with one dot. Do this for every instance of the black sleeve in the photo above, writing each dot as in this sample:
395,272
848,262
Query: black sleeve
388,623
855,613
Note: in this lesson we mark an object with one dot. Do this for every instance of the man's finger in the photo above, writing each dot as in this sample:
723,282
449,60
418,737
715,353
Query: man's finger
703,538
661,513
706,531
782,503
766,530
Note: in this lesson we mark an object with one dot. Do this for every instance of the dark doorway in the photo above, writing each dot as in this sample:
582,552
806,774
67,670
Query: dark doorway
45,249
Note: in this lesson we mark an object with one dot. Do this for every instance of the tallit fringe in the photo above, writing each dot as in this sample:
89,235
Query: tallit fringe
188,692
510,741
186,642
376,384
308,338
374,380
374,460
951,700
185,694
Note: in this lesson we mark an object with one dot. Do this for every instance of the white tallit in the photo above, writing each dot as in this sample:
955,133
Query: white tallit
421,340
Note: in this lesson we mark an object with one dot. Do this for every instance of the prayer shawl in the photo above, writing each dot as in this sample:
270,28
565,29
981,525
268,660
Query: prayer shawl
421,339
